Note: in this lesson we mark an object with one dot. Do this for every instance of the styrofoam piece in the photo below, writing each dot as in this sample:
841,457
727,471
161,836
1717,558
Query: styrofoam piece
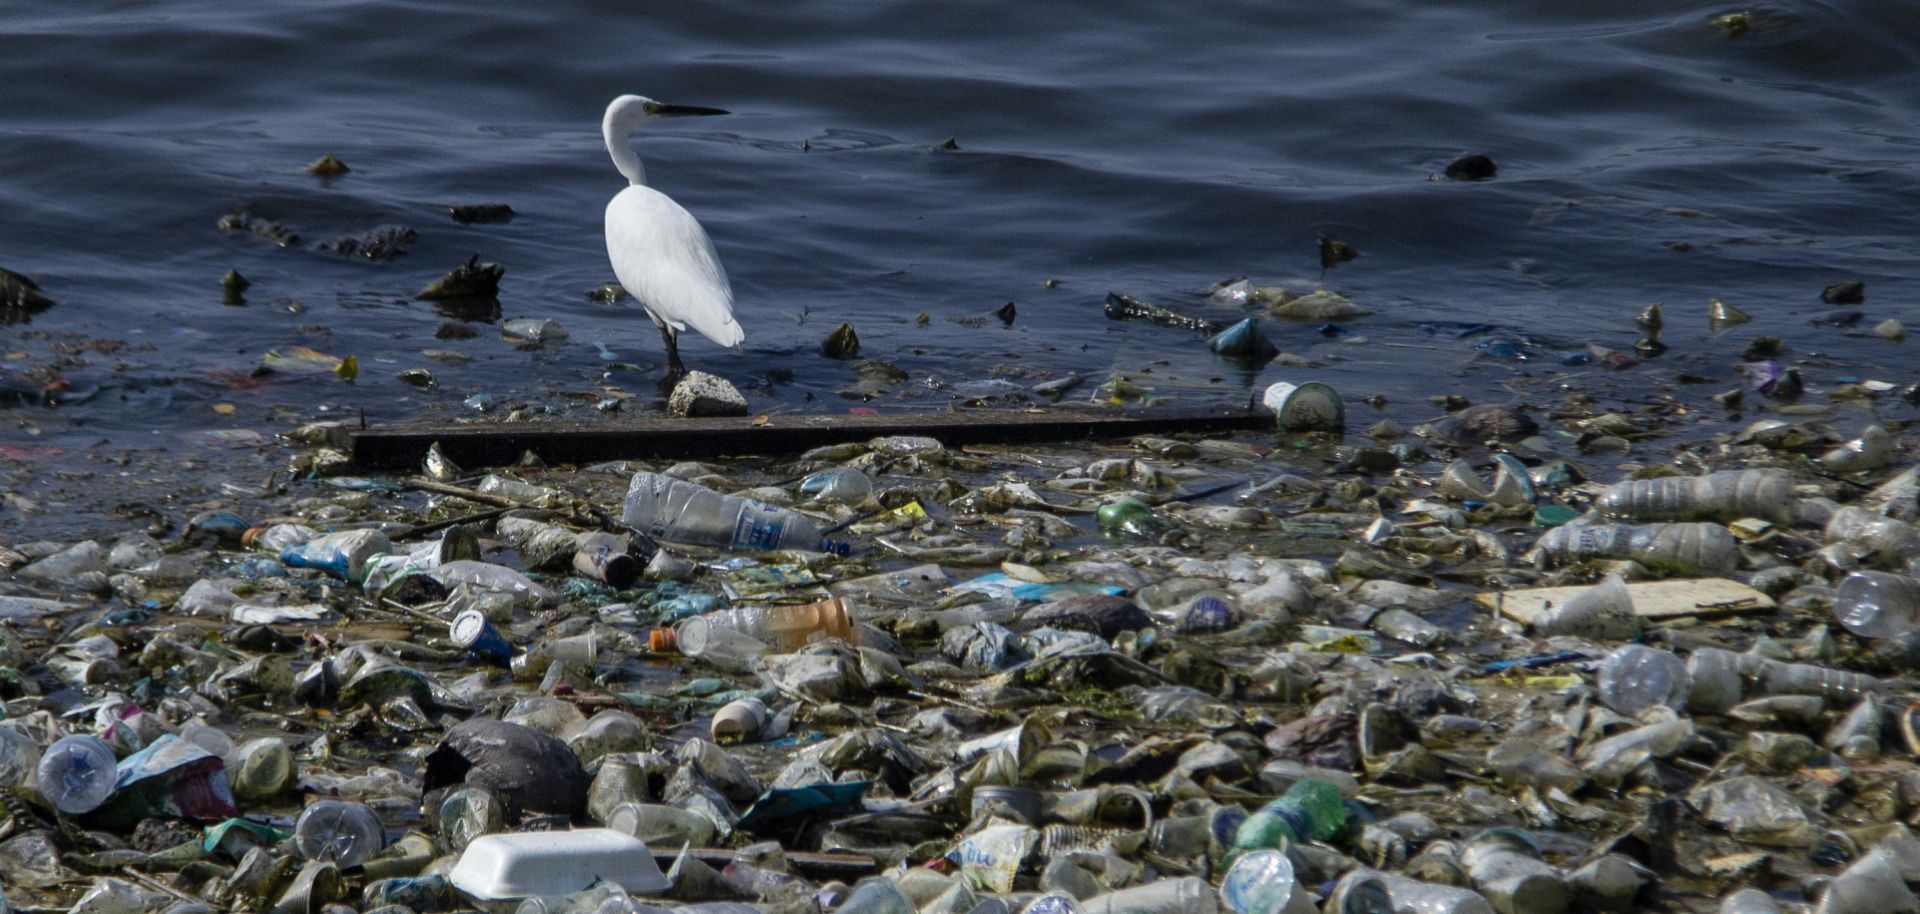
496,867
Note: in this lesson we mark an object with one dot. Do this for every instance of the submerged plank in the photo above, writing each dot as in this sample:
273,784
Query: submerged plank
403,447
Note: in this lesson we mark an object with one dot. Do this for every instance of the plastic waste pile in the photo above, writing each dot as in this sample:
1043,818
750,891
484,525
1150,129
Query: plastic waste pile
1408,674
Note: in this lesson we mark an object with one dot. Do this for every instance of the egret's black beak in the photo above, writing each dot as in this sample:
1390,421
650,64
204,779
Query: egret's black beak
687,111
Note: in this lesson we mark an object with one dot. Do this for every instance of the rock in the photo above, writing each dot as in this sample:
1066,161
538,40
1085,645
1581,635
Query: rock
703,394
1851,292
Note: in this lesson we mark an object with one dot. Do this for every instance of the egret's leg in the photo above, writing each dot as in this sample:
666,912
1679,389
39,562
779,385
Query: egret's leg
674,368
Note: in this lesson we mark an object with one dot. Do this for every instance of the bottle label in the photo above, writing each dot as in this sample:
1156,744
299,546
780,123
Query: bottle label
759,527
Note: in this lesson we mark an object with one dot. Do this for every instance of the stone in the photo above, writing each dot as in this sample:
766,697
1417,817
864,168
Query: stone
703,394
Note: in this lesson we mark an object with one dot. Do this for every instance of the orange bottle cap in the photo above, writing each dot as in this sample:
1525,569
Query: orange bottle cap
661,641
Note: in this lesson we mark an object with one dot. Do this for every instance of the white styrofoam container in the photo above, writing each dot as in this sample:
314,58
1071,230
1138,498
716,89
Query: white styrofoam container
496,867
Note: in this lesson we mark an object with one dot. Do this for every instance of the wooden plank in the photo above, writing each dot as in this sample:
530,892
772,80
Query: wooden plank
498,444
1651,599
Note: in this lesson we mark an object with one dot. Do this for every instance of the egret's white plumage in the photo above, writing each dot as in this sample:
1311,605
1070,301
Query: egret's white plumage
662,256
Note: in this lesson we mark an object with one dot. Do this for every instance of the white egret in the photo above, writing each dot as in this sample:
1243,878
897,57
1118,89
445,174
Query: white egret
662,256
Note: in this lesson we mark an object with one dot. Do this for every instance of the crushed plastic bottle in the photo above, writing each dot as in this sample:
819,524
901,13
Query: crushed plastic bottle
683,512
342,833
1724,496
1687,548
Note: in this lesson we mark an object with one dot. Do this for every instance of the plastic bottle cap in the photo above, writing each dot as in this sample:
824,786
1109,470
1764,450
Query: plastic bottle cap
661,641
251,535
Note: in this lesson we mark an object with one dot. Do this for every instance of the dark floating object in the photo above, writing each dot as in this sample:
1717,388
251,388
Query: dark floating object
1005,313
948,145
231,285
1843,318
454,330
1735,24
20,293
242,220
842,343
469,280
380,245
1335,252
1244,340
1474,167
528,768
481,212
1124,307
328,165
1763,348
1851,292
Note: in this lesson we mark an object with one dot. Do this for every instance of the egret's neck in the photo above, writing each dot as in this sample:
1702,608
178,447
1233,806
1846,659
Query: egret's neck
624,158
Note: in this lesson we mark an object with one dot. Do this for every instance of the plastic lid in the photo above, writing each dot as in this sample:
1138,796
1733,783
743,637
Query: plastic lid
467,627
661,641
251,535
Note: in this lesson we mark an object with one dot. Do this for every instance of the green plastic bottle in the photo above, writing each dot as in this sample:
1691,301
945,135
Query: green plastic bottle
1130,517
1310,810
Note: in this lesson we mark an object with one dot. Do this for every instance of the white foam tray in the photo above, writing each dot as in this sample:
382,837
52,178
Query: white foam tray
497,867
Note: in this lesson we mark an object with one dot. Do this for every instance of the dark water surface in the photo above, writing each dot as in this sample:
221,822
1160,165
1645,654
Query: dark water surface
1646,154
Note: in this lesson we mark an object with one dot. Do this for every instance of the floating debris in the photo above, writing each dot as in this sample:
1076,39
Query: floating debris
1244,340
1721,315
1123,307
1851,292
1475,167
481,213
379,245
842,343
328,165
231,287
469,280
242,221
1333,253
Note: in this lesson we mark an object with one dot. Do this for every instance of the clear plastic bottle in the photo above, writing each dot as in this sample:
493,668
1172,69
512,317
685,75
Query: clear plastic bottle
540,544
1883,536
488,576
1726,495
1721,678
525,493
1692,548
1310,810
719,646
877,895
343,833
76,774
1260,882
1184,895
844,485
1875,604
343,554
1635,677
683,512
787,625
1411,896
1505,866
660,825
